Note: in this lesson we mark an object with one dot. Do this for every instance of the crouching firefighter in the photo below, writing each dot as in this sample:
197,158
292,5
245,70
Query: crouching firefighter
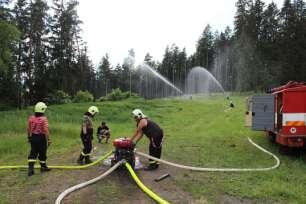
38,137
154,134
87,135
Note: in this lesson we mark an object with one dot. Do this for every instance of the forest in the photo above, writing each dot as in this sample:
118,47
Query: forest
42,53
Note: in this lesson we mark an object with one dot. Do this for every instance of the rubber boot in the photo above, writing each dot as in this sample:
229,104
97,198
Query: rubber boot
80,159
44,168
151,167
87,160
31,169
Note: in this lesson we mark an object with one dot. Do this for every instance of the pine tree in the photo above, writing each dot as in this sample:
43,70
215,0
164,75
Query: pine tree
9,36
292,41
104,71
204,49
39,49
22,19
65,29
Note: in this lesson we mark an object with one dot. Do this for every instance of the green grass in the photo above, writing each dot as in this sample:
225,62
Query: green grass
199,132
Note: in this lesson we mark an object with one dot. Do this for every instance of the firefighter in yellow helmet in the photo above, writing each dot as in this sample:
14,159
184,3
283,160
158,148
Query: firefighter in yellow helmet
153,132
87,134
38,137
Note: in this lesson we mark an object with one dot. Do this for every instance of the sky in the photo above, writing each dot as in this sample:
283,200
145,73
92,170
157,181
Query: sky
148,26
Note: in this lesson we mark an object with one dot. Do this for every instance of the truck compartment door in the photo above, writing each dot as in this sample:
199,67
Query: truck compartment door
263,116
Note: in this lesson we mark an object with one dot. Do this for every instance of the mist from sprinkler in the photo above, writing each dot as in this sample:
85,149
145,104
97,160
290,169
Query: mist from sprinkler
198,81
145,66
201,81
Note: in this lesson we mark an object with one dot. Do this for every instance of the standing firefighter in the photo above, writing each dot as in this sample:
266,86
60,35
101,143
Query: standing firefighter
153,132
38,136
87,134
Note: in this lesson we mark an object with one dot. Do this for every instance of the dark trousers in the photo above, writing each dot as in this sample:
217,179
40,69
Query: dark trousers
38,148
155,149
87,143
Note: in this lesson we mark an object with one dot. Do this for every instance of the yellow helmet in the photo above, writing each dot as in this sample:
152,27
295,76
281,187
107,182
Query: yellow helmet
93,110
40,107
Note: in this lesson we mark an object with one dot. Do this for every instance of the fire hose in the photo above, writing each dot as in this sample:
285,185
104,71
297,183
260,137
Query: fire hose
131,171
219,169
152,194
82,185
62,167
143,187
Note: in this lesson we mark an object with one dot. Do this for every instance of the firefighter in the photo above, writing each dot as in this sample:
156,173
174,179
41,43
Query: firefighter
154,134
87,134
103,132
38,137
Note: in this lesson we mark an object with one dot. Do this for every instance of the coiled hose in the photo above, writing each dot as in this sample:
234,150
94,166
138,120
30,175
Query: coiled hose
62,167
219,169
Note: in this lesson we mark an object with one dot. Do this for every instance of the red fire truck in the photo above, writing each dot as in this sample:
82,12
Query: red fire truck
281,113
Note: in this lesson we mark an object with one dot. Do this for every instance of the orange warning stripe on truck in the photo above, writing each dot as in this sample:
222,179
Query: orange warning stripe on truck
295,123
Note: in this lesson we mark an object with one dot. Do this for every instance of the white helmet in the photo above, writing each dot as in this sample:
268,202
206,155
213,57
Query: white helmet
93,110
137,113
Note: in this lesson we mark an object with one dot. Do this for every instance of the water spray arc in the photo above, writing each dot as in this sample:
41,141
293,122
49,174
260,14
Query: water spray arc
200,80
146,68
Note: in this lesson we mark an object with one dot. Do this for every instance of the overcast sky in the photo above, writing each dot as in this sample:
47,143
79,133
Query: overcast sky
115,26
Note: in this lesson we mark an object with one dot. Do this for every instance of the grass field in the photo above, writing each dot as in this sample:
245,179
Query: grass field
198,132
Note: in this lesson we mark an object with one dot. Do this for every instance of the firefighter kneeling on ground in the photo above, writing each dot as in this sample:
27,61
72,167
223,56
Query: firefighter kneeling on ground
38,136
154,134
87,134
103,132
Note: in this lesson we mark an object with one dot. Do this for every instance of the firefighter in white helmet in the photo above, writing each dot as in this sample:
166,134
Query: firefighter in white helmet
87,134
38,137
154,134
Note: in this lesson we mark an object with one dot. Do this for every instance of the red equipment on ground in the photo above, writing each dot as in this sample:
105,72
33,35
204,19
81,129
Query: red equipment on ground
282,114
124,149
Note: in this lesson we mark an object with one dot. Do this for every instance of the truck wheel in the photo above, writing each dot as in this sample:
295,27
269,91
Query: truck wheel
271,136
284,150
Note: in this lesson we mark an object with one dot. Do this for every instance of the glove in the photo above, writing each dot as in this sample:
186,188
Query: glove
133,145
29,139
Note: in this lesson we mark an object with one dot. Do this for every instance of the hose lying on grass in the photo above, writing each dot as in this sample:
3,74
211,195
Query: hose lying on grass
131,171
218,169
62,167
143,187
82,185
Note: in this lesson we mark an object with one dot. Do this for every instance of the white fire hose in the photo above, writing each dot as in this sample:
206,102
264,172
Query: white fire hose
81,185
218,169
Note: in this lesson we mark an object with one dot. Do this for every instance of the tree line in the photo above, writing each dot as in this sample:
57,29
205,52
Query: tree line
266,48
41,52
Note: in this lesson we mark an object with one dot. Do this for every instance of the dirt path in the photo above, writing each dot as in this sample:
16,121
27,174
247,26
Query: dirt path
129,193
118,187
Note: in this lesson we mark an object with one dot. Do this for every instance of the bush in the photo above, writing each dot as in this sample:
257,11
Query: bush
59,97
117,95
83,96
